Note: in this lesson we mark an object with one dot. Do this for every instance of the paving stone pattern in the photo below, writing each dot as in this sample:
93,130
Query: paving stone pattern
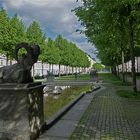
109,117
63,129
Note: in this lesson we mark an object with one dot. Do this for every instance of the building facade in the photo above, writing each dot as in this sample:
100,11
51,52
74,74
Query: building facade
40,68
128,66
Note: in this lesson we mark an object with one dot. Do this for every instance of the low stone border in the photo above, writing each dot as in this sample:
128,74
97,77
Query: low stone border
95,88
49,123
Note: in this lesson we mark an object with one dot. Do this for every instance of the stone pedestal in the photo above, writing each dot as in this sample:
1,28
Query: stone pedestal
50,77
93,75
21,111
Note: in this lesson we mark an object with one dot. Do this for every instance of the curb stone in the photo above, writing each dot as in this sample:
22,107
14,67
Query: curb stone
56,117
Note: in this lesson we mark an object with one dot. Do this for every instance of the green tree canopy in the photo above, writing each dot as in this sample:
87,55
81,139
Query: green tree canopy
4,32
97,66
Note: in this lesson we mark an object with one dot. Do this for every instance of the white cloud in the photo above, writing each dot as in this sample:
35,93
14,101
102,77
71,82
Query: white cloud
53,15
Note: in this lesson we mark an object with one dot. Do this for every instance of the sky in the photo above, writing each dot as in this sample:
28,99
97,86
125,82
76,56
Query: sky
54,16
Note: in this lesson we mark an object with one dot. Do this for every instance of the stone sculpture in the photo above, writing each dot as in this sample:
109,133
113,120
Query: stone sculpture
21,71
50,76
93,75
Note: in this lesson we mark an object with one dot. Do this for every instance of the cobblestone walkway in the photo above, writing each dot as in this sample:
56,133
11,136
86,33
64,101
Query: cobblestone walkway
109,117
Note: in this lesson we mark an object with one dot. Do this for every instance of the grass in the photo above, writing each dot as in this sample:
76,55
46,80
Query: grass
128,94
125,89
72,77
68,77
110,78
138,77
52,105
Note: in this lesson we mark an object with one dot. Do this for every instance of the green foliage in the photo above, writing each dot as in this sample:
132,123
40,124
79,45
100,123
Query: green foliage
98,66
12,31
51,53
17,32
59,51
129,94
70,55
107,68
108,27
113,26
34,34
4,33
110,78
137,51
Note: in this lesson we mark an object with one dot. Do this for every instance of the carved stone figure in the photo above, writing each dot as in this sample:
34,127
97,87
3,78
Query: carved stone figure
50,76
93,75
21,71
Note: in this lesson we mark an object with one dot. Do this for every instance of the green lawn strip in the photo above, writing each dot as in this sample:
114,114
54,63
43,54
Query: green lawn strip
72,77
110,78
138,77
125,89
69,77
128,94
52,105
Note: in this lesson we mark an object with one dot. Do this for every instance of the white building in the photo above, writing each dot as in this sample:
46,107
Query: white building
42,69
128,65
92,61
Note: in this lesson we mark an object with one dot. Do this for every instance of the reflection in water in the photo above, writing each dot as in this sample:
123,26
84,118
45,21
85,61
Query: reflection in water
54,91
55,96
54,102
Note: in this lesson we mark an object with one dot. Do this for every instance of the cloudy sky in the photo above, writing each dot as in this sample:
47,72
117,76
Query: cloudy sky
54,16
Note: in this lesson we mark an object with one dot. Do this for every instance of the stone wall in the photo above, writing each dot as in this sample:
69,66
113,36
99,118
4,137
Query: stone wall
21,111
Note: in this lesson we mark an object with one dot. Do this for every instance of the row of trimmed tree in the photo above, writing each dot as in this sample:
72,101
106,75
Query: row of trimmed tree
114,27
59,51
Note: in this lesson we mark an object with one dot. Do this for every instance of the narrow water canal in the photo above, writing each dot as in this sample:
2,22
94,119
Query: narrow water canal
57,97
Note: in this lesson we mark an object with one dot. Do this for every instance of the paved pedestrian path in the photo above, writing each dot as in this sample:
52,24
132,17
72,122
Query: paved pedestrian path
101,115
109,117
63,129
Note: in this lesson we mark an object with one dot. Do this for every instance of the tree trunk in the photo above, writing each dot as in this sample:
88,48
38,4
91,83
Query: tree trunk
76,69
137,65
33,71
59,70
85,70
126,72
123,74
118,72
113,70
132,55
49,67
79,69
69,70
10,62
42,69
72,70
7,56
66,70
52,68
